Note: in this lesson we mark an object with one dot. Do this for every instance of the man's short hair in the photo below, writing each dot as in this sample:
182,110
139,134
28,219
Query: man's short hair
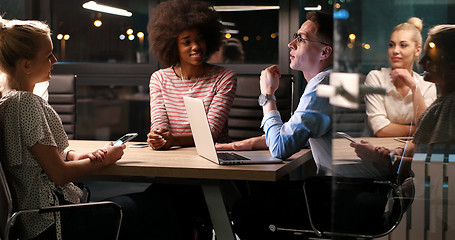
324,23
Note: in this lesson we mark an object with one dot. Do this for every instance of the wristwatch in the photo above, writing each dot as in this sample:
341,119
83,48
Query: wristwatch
264,98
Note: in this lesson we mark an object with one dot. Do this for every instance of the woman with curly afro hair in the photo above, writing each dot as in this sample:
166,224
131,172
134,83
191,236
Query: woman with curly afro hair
182,33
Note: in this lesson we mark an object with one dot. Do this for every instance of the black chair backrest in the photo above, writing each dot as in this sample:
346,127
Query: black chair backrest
62,97
246,115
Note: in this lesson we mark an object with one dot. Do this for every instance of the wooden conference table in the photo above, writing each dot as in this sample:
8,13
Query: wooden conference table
142,164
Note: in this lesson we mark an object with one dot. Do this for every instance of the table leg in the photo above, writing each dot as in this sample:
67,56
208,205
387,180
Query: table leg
218,214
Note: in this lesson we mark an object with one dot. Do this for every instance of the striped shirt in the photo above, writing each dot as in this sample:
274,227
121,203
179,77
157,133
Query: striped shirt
216,88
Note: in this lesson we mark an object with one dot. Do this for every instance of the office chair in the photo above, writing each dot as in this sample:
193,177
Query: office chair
399,198
62,97
8,213
246,115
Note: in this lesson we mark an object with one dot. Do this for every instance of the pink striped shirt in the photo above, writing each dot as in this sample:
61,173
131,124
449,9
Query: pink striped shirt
216,88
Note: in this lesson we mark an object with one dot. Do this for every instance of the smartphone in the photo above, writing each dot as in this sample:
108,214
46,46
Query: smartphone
139,145
347,136
403,139
125,138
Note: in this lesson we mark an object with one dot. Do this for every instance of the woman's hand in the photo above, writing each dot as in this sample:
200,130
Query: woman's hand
379,156
403,76
113,153
97,155
160,138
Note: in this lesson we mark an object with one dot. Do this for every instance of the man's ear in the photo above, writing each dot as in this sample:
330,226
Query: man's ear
326,52
25,66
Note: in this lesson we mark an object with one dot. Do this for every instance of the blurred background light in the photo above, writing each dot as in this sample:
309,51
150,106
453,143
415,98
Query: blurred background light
341,14
97,23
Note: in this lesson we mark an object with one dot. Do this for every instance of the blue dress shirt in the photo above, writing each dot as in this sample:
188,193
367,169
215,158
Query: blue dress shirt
311,122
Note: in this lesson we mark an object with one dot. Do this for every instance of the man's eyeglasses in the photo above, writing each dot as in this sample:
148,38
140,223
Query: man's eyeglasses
301,39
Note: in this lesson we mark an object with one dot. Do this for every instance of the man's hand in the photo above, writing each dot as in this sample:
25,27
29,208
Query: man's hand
270,80
254,143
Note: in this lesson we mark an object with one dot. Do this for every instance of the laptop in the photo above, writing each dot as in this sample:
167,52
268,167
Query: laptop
205,146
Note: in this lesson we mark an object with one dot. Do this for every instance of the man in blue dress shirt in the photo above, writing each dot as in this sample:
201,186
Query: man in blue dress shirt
311,53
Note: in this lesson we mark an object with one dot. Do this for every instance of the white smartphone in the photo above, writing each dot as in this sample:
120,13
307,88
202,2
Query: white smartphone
125,138
403,139
347,136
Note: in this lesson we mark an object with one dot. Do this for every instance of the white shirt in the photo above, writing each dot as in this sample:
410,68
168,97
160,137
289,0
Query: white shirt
41,89
393,107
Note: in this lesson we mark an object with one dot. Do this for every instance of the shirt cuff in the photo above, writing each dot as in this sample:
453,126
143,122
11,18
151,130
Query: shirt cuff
268,115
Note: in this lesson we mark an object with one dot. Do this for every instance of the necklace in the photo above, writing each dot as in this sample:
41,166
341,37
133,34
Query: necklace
190,88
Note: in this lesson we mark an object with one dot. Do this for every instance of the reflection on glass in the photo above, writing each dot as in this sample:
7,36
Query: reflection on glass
107,112
231,51
254,27
363,32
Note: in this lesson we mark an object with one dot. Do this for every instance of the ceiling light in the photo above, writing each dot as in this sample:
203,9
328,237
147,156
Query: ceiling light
317,8
239,8
92,5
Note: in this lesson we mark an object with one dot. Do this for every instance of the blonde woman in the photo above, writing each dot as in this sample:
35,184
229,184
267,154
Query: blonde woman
408,95
33,148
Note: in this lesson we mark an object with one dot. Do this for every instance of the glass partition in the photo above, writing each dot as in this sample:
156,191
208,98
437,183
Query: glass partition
362,37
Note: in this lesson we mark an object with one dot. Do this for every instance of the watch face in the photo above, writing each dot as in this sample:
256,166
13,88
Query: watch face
262,100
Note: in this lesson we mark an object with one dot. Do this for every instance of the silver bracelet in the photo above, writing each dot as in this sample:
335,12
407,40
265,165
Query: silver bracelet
393,157
65,153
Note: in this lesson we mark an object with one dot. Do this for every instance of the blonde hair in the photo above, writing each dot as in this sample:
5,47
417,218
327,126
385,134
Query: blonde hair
413,24
18,40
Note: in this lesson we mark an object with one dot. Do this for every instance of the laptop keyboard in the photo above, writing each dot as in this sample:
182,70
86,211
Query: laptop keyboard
231,156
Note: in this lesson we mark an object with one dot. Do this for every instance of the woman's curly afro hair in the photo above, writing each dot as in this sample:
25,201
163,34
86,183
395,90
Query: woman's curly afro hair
172,17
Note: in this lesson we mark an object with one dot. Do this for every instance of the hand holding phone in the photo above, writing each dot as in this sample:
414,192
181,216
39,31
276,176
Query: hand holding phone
125,138
347,136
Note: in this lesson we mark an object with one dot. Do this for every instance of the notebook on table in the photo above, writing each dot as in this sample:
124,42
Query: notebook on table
205,146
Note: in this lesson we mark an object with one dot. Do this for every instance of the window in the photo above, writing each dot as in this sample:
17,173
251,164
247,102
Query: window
84,35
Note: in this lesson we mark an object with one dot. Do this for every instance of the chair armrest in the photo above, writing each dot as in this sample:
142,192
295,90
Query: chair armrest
71,207
77,206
